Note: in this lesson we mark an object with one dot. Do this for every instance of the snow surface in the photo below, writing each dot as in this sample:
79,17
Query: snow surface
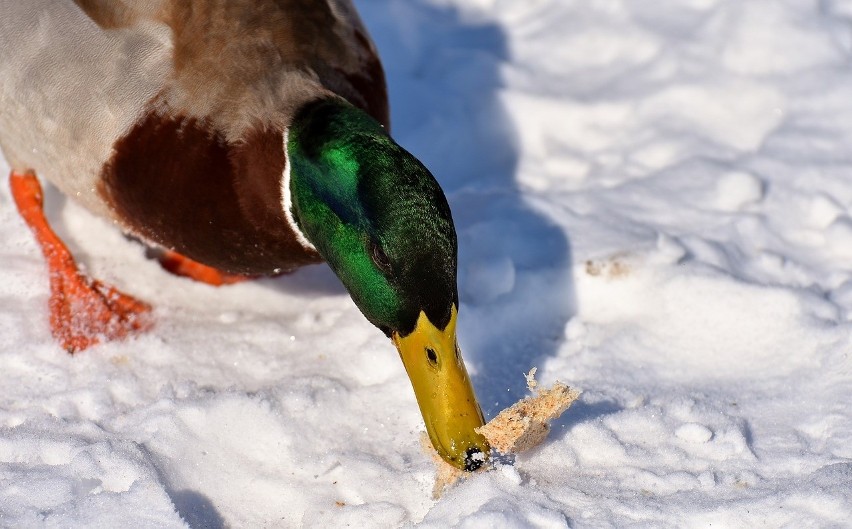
654,204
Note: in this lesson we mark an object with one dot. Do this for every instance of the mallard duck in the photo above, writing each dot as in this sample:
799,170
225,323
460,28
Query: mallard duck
245,138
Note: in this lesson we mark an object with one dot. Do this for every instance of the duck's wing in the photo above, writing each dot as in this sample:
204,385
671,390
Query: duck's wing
362,68
241,61
69,87
224,52
112,14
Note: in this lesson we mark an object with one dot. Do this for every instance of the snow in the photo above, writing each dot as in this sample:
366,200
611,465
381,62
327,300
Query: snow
654,205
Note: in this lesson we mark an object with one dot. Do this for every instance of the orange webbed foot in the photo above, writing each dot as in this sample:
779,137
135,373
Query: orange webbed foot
183,266
83,312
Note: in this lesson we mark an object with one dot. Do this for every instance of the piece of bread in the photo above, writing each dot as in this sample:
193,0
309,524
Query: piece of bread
516,429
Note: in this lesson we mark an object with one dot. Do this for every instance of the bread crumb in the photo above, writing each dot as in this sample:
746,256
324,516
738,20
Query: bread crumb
120,360
525,424
516,429
531,381
612,268
445,473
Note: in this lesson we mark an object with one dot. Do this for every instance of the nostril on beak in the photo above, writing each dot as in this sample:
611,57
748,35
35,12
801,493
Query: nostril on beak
473,459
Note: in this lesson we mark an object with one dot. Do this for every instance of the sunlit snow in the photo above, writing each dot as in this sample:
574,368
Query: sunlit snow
654,205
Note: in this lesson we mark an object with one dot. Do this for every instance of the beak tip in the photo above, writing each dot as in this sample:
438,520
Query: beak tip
474,458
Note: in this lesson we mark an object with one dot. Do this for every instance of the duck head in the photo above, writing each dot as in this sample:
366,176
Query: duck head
381,221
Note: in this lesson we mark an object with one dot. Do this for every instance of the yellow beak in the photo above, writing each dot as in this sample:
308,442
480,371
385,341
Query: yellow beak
444,393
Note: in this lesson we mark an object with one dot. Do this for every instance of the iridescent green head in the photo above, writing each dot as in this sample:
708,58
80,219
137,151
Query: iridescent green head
382,222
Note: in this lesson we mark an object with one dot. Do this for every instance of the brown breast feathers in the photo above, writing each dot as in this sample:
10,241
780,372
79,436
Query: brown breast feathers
178,183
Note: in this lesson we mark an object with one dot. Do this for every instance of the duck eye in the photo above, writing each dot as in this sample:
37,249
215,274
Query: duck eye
432,357
379,257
